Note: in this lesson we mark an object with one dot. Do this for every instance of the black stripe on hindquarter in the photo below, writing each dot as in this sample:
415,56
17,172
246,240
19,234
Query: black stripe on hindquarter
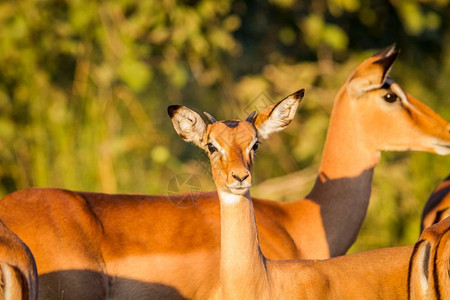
417,246
437,287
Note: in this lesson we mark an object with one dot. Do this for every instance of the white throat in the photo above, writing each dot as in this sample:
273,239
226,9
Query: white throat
232,199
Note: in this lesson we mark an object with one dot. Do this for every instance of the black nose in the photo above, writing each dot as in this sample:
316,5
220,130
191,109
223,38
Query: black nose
239,178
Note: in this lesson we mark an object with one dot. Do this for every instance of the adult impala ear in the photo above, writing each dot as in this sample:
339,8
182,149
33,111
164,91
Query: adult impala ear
276,117
372,73
187,123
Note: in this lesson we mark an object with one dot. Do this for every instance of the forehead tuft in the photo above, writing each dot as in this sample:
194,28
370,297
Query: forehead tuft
231,123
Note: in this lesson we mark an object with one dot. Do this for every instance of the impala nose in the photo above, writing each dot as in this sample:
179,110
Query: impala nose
240,179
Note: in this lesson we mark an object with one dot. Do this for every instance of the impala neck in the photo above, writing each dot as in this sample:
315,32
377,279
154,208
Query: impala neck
343,187
242,265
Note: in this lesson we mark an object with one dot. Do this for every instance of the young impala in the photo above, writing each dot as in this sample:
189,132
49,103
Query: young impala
18,273
245,273
437,207
99,245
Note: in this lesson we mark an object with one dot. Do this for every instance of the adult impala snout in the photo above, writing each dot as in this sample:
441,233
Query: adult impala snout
442,143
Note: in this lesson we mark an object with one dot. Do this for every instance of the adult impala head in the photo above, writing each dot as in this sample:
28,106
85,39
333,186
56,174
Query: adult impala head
231,145
391,118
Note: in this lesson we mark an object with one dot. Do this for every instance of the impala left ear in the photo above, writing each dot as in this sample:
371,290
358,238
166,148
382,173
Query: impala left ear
187,123
276,117
372,73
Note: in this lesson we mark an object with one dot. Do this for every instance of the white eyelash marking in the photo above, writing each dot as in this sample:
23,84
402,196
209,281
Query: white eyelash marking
249,148
399,91
217,146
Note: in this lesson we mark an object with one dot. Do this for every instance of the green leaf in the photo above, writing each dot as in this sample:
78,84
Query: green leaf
335,37
135,73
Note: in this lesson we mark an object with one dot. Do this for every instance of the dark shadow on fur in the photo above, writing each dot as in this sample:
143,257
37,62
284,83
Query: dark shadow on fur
95,285
338,192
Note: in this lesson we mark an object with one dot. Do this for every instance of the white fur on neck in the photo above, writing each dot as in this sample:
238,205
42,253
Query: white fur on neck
230,198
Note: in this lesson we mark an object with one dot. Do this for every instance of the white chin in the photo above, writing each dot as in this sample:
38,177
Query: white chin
241,191
442,150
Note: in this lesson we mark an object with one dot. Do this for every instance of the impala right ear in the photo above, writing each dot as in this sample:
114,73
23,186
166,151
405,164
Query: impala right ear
188,124
276,117
372,73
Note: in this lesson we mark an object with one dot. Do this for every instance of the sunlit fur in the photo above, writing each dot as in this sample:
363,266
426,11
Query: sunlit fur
141,246
362,125
231,149
404,125
234,155
245,273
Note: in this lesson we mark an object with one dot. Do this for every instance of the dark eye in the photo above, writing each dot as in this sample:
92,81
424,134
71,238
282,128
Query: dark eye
390,97
211,148
255,146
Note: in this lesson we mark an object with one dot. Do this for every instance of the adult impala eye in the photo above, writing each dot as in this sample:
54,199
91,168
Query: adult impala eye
211,148
255,146
390,97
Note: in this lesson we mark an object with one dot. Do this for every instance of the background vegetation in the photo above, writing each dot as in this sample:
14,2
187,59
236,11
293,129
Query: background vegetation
84,87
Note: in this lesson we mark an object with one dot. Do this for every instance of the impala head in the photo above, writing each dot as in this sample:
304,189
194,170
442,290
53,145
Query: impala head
231,145
390,118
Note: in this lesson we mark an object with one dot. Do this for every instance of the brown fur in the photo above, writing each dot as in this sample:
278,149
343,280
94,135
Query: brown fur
97,244
245,273
377,274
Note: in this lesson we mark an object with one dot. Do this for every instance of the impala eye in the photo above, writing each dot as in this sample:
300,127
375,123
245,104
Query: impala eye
390,97
255,146
211,148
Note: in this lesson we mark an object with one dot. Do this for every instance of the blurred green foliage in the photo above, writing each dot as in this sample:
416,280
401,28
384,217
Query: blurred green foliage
84,87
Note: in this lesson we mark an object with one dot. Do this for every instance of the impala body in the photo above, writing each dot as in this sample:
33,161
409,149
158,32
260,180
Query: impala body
93,246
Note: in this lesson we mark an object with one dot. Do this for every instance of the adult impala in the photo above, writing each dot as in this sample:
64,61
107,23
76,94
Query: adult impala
245,273
437,207
98,244
18,273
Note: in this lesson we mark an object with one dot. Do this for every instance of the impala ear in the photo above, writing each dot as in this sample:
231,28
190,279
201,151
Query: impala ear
372,73
187,123
276,117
